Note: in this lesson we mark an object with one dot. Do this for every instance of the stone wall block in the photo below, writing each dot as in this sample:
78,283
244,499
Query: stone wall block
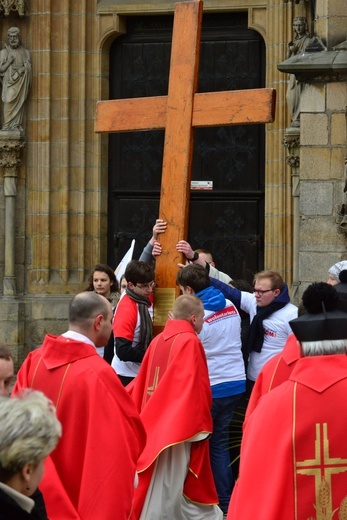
313,98
338,135
314,265
336,9
316,198
339,195
315,163
50,308
337,95
316,235
321,8
336,27
314,129
337,167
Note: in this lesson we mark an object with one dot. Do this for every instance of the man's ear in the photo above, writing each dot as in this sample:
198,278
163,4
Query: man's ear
193,320
26,471
97,321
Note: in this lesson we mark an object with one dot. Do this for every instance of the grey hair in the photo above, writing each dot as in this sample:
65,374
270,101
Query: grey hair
29,431
324,347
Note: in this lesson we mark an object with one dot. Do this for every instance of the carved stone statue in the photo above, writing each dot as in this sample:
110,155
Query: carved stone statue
15,74
297,46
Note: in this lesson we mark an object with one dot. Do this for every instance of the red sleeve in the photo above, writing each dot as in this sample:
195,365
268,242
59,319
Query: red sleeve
23,380
125,319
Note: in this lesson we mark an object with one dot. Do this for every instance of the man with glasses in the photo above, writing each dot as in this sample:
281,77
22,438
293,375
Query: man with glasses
270,311
132,325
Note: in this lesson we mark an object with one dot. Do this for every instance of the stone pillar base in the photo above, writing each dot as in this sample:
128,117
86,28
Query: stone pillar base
9,285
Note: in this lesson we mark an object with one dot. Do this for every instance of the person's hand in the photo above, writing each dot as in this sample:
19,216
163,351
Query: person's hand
157,249
183,247
159,227
170,315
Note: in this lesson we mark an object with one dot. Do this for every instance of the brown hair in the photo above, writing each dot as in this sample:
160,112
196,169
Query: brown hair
275,277
103,268
194,276
5,352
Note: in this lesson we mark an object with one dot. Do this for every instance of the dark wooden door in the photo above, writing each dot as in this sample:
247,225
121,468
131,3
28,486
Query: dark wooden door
229,219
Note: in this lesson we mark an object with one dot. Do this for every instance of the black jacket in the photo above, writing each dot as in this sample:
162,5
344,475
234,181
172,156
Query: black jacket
10,510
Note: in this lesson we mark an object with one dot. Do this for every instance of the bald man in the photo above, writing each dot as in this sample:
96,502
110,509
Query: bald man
94,465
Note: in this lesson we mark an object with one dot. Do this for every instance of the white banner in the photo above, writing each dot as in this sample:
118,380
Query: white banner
120,270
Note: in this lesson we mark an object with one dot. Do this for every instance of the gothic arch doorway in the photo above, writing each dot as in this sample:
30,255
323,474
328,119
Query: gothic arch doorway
227,219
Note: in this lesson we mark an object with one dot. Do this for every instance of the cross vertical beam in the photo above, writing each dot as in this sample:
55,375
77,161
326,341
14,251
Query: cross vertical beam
178,142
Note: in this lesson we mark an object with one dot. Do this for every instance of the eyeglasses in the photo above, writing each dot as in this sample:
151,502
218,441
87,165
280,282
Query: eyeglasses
260,293
146,286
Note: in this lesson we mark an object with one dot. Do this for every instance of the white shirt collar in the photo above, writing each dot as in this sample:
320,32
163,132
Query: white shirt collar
78,337
23,501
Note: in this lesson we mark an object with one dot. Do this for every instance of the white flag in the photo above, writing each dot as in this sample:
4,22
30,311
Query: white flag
120,270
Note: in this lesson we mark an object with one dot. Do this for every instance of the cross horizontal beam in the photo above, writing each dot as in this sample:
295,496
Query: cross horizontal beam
235,107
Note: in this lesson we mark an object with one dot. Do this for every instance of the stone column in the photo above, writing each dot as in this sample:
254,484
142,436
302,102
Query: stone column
11,146
291,141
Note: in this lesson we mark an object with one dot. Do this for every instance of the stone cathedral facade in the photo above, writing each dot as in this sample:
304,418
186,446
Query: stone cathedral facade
54,170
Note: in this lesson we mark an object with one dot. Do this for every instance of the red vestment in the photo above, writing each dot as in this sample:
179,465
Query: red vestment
172,393
274,372
96,458
294,453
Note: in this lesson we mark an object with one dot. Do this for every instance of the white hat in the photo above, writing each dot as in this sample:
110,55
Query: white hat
336,269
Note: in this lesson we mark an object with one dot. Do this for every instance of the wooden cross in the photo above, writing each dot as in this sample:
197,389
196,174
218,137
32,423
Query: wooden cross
178,113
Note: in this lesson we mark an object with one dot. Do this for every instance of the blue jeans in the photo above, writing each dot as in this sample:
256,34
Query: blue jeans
222,412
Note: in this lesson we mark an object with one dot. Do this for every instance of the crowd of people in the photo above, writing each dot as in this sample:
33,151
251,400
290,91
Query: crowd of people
107,422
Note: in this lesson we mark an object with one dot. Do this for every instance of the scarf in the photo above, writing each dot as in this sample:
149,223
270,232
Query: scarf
146,325
255,337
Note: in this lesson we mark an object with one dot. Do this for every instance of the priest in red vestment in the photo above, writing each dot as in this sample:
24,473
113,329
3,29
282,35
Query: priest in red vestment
274,372
172,393
92,472
294,453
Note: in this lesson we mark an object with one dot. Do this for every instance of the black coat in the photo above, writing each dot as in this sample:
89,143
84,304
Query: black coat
10,510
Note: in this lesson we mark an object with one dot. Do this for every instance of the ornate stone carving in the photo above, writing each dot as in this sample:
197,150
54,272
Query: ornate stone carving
11,147
293,161
8,7
291,141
